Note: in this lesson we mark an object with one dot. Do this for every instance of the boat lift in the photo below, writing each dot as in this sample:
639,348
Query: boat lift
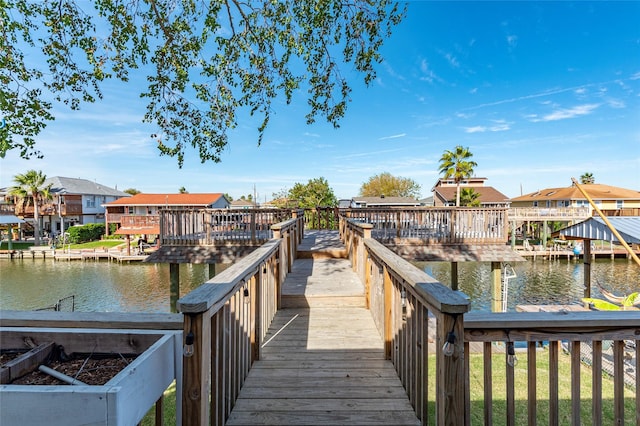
507,273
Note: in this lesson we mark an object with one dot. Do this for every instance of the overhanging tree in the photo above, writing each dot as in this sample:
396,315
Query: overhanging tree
206,61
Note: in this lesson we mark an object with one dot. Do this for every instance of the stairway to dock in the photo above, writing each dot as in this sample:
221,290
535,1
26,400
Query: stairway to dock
322,362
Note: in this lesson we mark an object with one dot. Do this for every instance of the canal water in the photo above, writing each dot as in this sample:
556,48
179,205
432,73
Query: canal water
102,286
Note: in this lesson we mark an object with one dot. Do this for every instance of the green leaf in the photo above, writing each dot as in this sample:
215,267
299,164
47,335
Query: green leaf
601,305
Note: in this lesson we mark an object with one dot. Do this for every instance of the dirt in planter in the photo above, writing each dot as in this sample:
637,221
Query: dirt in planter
95,369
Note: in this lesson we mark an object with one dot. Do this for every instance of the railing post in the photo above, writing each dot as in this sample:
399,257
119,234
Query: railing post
195,372
450,383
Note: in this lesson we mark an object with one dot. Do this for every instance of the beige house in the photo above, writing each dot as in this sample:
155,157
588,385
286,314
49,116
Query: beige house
383,202
611,200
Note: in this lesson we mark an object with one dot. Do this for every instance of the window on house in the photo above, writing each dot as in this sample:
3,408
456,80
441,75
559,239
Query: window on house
91,202
548,203
619,204
130,210
535,204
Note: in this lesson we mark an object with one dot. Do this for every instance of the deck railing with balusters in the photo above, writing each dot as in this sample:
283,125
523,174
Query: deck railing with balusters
189,227
410,308
417,316
225,322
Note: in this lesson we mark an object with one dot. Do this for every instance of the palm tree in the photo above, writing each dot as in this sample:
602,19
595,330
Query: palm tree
469,198
30,187
456,164
587,178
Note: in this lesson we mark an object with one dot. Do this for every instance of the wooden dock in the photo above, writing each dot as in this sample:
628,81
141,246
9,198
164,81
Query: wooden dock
322,363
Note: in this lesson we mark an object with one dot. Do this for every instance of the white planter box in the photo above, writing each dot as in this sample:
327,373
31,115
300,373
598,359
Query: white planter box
124,400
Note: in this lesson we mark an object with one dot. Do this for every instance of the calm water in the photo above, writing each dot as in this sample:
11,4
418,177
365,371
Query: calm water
98,286
138,287
540,282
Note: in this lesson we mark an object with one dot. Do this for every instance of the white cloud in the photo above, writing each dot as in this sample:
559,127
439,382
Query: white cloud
512,40
563,114
616,103
427,74
475,129
400,135
498,126
453,61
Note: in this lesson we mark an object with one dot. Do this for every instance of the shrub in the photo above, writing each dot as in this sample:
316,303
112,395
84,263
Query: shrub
84,233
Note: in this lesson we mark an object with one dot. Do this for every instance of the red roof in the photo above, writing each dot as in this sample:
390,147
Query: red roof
200,200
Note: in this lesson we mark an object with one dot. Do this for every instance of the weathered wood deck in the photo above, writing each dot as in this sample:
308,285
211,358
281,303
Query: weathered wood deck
322,363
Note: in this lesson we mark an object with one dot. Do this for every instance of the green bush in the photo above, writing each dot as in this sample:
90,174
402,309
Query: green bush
84,233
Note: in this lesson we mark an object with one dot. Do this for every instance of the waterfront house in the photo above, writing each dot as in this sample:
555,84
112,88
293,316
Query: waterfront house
243,204
73,202
139,214
444,193
383,202
611,200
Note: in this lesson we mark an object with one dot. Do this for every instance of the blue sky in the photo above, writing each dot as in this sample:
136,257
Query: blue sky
538,91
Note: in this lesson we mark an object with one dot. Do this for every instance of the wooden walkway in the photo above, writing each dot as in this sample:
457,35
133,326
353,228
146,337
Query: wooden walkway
322,362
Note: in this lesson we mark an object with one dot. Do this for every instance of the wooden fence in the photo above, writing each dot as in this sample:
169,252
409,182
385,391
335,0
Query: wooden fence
191,227
575,368
225,322
436,225
559,368
410,309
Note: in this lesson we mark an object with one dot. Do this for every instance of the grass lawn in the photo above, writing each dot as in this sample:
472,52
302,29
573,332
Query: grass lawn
499,393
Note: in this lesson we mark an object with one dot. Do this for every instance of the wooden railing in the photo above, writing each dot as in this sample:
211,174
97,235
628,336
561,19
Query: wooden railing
410,308
139,221
435,225
225,322
549,213
188,227
572,368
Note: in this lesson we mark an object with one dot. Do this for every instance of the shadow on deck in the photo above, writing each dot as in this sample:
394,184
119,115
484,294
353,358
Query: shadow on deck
323,360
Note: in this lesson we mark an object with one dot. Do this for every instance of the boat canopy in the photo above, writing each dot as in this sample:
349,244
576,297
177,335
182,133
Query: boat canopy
595,228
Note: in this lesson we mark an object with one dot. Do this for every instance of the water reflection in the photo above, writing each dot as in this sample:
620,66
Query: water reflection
98,286
539,282
139,287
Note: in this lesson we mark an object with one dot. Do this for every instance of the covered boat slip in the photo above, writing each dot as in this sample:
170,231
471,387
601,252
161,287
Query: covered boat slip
622,230
595,228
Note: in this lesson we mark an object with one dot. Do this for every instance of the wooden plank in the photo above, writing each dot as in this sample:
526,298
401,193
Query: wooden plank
532,386
574,321
618,381
488,383
25,363
596,382
83,340
315,404
554,408
322,366
324,392
576,363
314,418
97,320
